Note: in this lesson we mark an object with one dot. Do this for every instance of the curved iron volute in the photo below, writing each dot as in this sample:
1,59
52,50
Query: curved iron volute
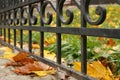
23,20
49,14
99,11
69,13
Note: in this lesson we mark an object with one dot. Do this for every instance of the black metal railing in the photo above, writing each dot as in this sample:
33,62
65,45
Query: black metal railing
19,15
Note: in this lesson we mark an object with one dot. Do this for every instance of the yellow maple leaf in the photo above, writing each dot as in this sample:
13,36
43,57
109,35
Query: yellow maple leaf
96,69
44,73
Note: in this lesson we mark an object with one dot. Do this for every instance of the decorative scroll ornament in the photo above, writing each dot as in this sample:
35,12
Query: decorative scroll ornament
33,18
16,20
99,11
82,5
9,22
22,18
68,13
49,15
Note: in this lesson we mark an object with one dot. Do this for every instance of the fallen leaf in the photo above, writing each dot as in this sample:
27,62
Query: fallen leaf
97,70
20,56
21,63
44,73
40,73
28,68
44,66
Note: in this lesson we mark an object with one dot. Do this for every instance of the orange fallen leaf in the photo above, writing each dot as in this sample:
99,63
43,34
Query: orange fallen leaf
20,56
21,63
26,65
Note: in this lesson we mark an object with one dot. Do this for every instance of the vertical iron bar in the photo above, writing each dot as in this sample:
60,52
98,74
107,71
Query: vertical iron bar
58,23
9,36
30,32
4,28
4,34
83,43
21,31
41,33
0,24
4,22
9,28
21,39
14,29
14,16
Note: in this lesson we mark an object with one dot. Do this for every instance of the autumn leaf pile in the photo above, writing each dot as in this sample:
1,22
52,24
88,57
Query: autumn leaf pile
25,65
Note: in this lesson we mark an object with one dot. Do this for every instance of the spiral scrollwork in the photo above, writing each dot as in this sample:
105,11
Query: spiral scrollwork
49,14
99,11
23,20
82,5
69,13
9,22
16,19
32,18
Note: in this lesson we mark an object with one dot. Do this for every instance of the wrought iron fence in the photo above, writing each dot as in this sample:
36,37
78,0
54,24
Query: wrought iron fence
19,15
